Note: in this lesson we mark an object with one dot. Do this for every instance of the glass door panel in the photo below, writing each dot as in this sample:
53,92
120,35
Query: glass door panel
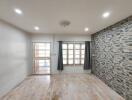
41,58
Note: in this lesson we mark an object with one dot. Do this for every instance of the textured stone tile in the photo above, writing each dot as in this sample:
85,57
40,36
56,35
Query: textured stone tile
112,57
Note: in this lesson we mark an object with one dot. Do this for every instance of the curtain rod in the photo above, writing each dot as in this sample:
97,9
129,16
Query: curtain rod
73,41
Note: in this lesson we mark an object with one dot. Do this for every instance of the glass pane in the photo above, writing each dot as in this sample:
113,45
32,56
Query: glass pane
65,52
41,46
77,61
82,61
47,63
70,46
70,52
70,56
41,63
47,53
77,52
39,53
65,56
82,56
36,45
64,61
36,53
82,52
83,46
77,46
70,61
36,63
77,56
64,46
47,46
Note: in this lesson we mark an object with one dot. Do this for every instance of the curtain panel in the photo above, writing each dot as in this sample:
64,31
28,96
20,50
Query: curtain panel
60,57
87,60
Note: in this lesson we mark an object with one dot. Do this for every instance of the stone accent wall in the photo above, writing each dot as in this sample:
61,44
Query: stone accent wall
112,56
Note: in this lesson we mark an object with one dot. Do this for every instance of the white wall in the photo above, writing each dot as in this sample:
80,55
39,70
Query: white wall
15,57
54,49
16,54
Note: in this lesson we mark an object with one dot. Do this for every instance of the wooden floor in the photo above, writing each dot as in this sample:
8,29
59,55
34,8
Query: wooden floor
43,71
62,87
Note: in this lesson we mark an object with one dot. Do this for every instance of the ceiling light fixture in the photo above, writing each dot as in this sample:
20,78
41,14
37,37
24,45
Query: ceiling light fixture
65,23
106,14
18,11
36,28
86,29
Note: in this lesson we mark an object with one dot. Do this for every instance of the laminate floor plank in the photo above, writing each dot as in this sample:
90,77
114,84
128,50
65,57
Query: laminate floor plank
62,87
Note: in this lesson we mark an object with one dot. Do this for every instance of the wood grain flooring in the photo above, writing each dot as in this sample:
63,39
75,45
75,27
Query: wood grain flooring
62,87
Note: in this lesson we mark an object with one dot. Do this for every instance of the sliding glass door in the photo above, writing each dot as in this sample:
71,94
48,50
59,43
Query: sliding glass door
41,58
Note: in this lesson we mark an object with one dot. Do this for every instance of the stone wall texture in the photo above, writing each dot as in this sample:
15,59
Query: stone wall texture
112,56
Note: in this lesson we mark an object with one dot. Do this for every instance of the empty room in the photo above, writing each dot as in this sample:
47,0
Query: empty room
65,49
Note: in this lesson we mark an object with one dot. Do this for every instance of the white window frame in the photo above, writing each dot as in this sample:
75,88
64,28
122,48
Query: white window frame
80,58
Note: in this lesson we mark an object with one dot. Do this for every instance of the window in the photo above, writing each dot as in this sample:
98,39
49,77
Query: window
73,53
42,50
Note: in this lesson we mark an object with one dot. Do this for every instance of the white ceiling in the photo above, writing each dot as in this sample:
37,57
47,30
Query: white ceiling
48,13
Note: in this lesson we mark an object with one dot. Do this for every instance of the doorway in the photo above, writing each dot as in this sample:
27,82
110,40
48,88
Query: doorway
41,58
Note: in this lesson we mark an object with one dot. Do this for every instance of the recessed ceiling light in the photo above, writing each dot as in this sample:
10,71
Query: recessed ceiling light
18,11
36,28
106,14
86,29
